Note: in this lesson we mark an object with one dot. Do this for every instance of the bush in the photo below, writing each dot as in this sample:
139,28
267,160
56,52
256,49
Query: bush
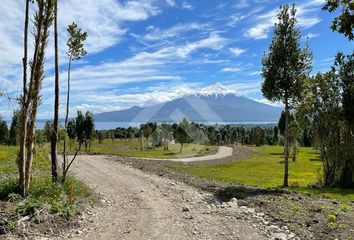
14,197
30,206
8,186
43,193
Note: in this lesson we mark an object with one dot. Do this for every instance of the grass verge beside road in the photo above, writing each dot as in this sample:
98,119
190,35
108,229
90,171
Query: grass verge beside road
132,148
265,168
46,202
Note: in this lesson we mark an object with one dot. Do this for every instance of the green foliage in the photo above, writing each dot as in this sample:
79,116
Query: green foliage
331,218
89,125
344,208
4,131
8,186
48,126
344,23
275,135
65,209
344,67
257,136
285,68
281,122
71,130
332,221
286,65
30,206
40,138
14,197
12,225
7,160
81,190
328,107
45,193
182,133
100,136
84,127
75,43
80,127
14,129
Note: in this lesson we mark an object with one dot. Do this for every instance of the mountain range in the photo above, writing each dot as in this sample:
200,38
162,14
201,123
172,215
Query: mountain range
213,104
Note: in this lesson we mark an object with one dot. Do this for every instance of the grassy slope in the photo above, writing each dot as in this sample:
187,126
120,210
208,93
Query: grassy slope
126,147
265,169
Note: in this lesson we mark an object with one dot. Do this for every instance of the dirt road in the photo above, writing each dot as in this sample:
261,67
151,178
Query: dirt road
222,152
138,206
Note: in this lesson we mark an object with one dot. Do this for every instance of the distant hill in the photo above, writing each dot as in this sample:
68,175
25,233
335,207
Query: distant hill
215,103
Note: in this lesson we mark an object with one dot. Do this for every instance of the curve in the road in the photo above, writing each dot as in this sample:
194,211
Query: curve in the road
222,152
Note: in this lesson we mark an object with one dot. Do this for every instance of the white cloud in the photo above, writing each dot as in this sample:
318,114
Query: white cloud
233,70
312,35
187,5
171,3
255,73
103,21
156,34
237,51
266,21
245,88
266,101
89,81
214,41
241,4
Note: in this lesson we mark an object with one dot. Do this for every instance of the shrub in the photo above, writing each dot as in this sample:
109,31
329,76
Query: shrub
44,193
7,186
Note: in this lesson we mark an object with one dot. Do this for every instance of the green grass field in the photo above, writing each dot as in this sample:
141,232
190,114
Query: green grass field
132,148
265,169
8,155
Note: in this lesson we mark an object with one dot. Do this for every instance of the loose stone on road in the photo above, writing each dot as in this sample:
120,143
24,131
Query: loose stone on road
137,205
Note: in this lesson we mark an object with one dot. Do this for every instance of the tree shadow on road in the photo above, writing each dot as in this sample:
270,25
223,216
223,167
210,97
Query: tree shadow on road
242,192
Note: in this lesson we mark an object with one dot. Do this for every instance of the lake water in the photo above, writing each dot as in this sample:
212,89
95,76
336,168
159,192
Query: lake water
113,125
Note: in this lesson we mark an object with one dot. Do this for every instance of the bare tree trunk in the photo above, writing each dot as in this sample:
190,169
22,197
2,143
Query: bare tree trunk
286,140
294,152
65,170
54,142
23,124
30,146
43,23
25,133
180,150
67,116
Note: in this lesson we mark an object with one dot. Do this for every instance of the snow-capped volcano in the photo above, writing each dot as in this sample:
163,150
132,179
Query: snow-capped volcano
215,103
215,90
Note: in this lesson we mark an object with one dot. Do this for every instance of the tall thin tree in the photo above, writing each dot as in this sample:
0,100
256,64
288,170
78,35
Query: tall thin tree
285,67
44,20
54,138
23,125
76,51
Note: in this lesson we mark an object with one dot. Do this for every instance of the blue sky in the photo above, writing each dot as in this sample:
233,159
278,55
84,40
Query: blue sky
142,52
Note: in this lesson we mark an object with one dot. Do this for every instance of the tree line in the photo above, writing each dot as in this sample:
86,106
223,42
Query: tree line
153,135
322,105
